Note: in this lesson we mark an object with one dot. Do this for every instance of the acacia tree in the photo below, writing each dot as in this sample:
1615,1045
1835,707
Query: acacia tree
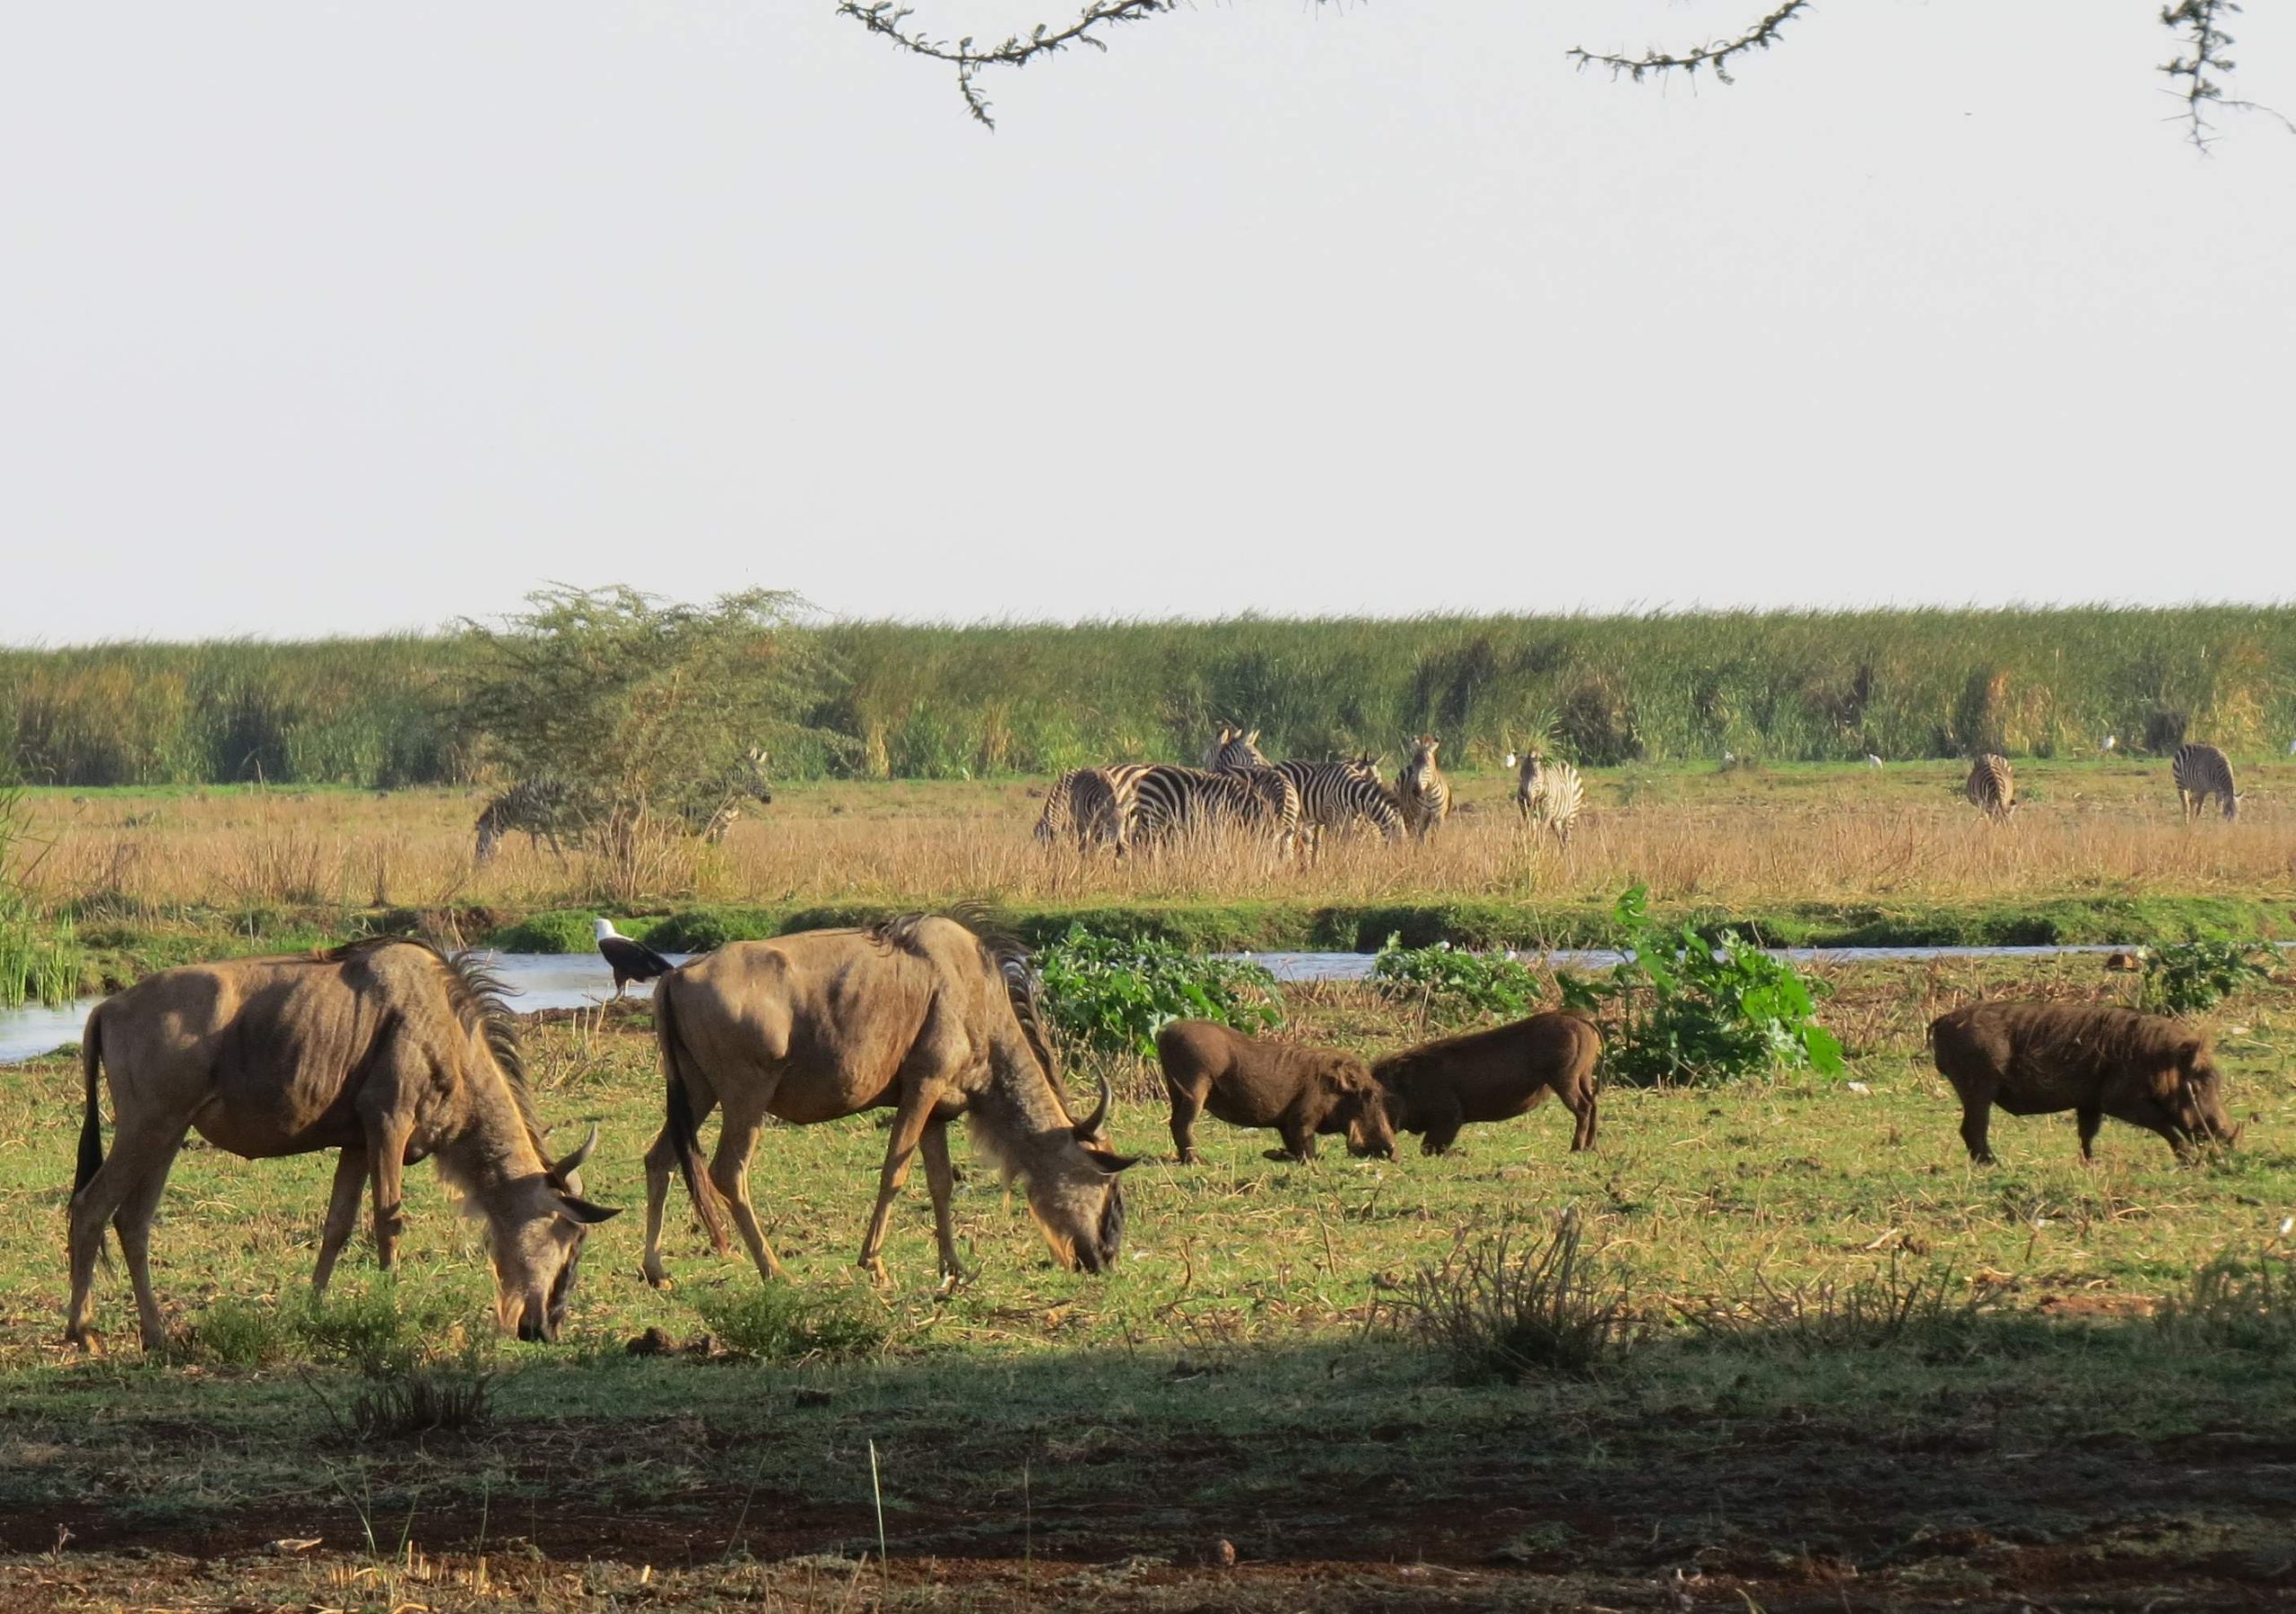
643,710
2199,71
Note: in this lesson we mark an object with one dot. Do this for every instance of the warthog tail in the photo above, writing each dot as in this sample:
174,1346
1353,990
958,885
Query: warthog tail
92,1127
679,1121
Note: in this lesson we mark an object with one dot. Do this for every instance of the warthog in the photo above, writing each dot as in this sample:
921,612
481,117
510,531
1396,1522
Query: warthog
917,1014
1298,1091
386,1049
1494,1075
2039,1059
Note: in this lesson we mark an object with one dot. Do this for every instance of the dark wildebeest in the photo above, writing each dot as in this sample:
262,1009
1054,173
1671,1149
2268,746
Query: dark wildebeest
1495,1075
1209,1069
917,1014
386,1049
2039,1059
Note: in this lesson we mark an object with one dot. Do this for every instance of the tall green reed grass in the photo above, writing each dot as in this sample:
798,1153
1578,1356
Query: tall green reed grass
937,702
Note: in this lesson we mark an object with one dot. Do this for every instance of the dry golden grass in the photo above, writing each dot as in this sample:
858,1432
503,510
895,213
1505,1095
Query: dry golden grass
1804,834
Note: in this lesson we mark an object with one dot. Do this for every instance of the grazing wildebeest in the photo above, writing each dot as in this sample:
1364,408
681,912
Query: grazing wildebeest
1299,1091
917,1014
1495,1075
387,1049
2040,1059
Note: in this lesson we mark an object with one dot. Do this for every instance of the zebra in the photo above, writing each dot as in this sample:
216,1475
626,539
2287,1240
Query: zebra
2201,772
1549,794
1165,800
1992,786
1421,791
1093,804
537,808
709,818
1332,794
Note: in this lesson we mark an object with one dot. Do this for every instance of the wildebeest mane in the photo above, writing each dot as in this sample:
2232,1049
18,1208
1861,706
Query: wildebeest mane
480,1003
1002,951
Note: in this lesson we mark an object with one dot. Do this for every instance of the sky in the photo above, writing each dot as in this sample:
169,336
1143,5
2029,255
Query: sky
322,318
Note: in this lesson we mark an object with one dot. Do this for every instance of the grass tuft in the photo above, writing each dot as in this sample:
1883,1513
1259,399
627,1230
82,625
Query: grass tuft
1504,1312
778,1323
2236,1301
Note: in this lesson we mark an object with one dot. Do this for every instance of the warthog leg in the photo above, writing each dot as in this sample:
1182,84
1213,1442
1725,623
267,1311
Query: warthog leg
1188,1104
1582,1136
2090,1120
942,1180
1976,1111
341,1213
916,1106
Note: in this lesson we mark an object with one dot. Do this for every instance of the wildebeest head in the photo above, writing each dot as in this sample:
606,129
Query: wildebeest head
1076,1193
537,1247
2190,1096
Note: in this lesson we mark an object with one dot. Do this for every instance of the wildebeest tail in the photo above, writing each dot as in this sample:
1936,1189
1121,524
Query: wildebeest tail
92,1126
679,1120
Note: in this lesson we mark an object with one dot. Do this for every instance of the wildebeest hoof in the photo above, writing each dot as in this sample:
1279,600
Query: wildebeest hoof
659,1281
877,1273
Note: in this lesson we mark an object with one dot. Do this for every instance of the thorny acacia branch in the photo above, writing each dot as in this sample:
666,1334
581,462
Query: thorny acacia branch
1715,55
884,17
2199,76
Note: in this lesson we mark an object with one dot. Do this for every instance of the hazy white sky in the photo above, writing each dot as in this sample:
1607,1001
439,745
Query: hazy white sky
318,316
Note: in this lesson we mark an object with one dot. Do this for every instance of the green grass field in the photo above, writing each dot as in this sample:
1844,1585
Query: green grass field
2031,1430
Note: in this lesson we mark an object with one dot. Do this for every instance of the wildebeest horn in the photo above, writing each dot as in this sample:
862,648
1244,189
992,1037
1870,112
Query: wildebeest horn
1090,1127
573,1162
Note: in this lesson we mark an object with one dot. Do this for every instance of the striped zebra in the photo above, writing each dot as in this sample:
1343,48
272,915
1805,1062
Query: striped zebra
1094,805
1421,791
1991,786
707,818
2201,772
1548,793
1168,801
1332,795
538,809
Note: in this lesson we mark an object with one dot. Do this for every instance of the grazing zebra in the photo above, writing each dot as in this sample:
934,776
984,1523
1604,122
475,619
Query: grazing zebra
1549,794
1093,804
1167,800
1992,786
2201,772
537,808
1421,791
708,817
1332,794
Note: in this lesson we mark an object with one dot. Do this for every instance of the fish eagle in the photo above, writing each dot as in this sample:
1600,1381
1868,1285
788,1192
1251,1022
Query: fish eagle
630,960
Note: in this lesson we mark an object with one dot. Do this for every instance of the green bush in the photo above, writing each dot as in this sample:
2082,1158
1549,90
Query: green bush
2190,977
233,1333
1455,982
372,1329
780,1322
1113,994
1691,1010
2238,1303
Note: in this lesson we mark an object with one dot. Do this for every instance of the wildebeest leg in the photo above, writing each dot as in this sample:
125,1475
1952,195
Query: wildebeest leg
917,1107
1188,1104
943,1181
1977,1110
729,1171
386,1165
133,1220
2090,1120
341,1213
131,1175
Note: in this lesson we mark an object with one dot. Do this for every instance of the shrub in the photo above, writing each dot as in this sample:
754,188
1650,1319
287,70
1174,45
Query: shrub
2189,977
779,1322
1455,982
1689,1010
1500,1312
1904,1305
556,931
370,1330
1113,994
425,1399
2235,1302
233,1333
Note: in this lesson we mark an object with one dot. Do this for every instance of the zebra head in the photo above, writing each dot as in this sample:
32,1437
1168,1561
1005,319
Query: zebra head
1236,749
